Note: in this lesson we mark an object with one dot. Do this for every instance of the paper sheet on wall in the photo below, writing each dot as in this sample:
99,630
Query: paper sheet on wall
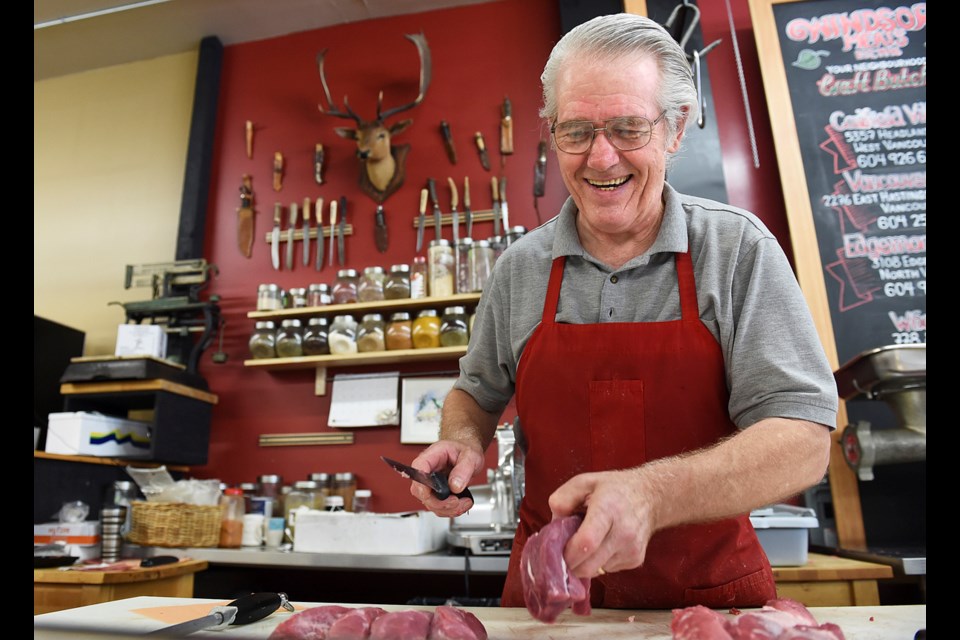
422,404
365,400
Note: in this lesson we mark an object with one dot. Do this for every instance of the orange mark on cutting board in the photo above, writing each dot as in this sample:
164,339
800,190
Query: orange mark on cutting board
183,612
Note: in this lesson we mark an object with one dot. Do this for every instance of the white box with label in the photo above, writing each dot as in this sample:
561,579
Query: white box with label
92,434
80,539
402,534
141,340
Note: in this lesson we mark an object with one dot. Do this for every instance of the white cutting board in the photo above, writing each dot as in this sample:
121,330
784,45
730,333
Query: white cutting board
858,623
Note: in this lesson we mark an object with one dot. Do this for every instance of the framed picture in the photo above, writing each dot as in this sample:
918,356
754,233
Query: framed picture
420,409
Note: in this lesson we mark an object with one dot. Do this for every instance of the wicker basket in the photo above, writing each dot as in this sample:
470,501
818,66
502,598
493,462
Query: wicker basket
173,524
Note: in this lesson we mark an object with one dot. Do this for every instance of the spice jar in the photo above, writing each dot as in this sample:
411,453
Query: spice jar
269,486
481,264
345,286
290,339
371,334
333,503
232,509
418,277
344,485
399,331
453,327
497,244
318,295
298,297
342,337
397,284
304,496
268,297
263,340
440,276
462,265
425,331
514,234
324,483
315,337
370,288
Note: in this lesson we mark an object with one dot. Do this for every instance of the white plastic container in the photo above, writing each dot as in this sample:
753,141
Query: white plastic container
92,434
784,533
402,534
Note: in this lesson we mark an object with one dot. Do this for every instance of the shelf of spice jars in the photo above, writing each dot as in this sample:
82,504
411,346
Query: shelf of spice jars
360,308
358,359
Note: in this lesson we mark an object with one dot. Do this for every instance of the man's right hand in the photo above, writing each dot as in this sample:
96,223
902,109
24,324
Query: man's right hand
462,461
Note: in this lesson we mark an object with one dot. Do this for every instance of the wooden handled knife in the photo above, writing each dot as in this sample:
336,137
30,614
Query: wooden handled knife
482,150
495,192
245,217
422,219
454,201
506,131
437,216
341,231
318,163
468,214
306,232
277,171
380,235
448,141
504,210
291,230
333,229
249,139
318,209
275,237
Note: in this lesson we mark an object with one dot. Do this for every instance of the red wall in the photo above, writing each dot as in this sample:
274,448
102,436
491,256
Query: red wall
480,54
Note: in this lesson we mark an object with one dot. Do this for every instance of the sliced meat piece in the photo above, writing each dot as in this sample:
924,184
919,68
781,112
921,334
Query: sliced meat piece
698,623
826,631
309,624
355,624
794,608
754,626
402,625
450,623
548,586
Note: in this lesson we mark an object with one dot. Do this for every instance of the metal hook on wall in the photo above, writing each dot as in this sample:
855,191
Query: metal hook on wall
685,33
695,68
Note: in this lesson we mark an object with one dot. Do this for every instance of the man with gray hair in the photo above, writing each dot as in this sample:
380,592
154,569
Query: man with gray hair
668,375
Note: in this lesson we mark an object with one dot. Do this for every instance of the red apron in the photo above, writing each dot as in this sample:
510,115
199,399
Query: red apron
581,397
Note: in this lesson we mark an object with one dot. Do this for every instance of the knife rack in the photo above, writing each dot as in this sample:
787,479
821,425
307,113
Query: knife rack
298,233
446,219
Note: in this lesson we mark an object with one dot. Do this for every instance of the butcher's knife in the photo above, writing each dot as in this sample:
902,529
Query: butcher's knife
318,163
341,230
495,189
333,229
422,220
275,237
318,208
245,610
454,201
291,230
437,216
466,206
504,210
482,150
380,230
436,481
506,131
245,217
448,141
277,171
306,232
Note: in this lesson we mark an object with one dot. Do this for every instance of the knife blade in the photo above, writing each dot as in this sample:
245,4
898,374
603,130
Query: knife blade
495,189
245,217
318,163
318,210
291,230
506,131
341,229
333,229
275,238
482,150
437,222
422,219
436,481
454,201
306,232
380,235
448,141
244,610
504,209
468,214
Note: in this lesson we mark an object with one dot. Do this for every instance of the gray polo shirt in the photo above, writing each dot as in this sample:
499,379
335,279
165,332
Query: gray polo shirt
748,296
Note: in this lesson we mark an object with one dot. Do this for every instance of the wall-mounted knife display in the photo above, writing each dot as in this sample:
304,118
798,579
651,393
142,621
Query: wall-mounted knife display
341,256
432,187
467,213
306,232
291,230
380,236
275,236
318,208
318,163
539,177
245,217
448,141
277,171
421,220
495,194
248,139
482,150
455,217
506,131
318,233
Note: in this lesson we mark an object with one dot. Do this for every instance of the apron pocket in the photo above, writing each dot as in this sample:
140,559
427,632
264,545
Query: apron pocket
752,590
617,431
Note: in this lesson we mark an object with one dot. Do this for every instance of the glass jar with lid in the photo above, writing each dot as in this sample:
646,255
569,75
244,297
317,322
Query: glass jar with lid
315,341
454,331
318,295
397,284
462,265
324,482
481,264
290,339
345,286
263,340
305,495
342,336
268,297
371,334
370,287
344,485
425,331
440,268
298,297
399,331
418,277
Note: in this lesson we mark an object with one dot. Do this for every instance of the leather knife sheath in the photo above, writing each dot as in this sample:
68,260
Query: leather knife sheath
380,235
245,217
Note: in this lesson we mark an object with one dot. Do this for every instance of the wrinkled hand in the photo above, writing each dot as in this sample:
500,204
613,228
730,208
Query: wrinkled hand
462,460
617,526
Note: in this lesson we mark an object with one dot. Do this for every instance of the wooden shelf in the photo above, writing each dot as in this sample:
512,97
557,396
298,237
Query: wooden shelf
398,356
110,462
359,308
134,386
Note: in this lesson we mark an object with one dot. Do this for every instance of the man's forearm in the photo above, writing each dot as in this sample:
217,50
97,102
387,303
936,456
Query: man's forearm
466,421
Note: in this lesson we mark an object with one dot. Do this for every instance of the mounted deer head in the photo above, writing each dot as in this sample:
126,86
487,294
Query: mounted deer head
382,163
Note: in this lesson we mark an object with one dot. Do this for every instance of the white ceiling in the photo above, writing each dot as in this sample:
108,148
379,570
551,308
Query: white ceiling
89,34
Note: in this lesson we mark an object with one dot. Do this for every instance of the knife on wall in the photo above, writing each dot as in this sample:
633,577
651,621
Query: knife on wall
454,201
318,209
495,192
506,131
277,171
467,213
504,210
275,238
380,235
341,230
245,217
306,232
448,141
318,163
482,150
422,219
539,177
333,230
291,230
437,216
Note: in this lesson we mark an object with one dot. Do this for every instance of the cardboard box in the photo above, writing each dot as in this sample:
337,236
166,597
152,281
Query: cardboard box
141,340
80,539
784,533
93,434
403,534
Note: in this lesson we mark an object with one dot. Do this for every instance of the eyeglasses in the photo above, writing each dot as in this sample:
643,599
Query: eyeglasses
627,133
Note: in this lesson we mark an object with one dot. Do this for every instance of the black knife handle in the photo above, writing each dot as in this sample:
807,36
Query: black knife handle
442,490
255,606
157,561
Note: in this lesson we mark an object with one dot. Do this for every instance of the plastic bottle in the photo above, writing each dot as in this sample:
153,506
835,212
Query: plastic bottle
231,520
